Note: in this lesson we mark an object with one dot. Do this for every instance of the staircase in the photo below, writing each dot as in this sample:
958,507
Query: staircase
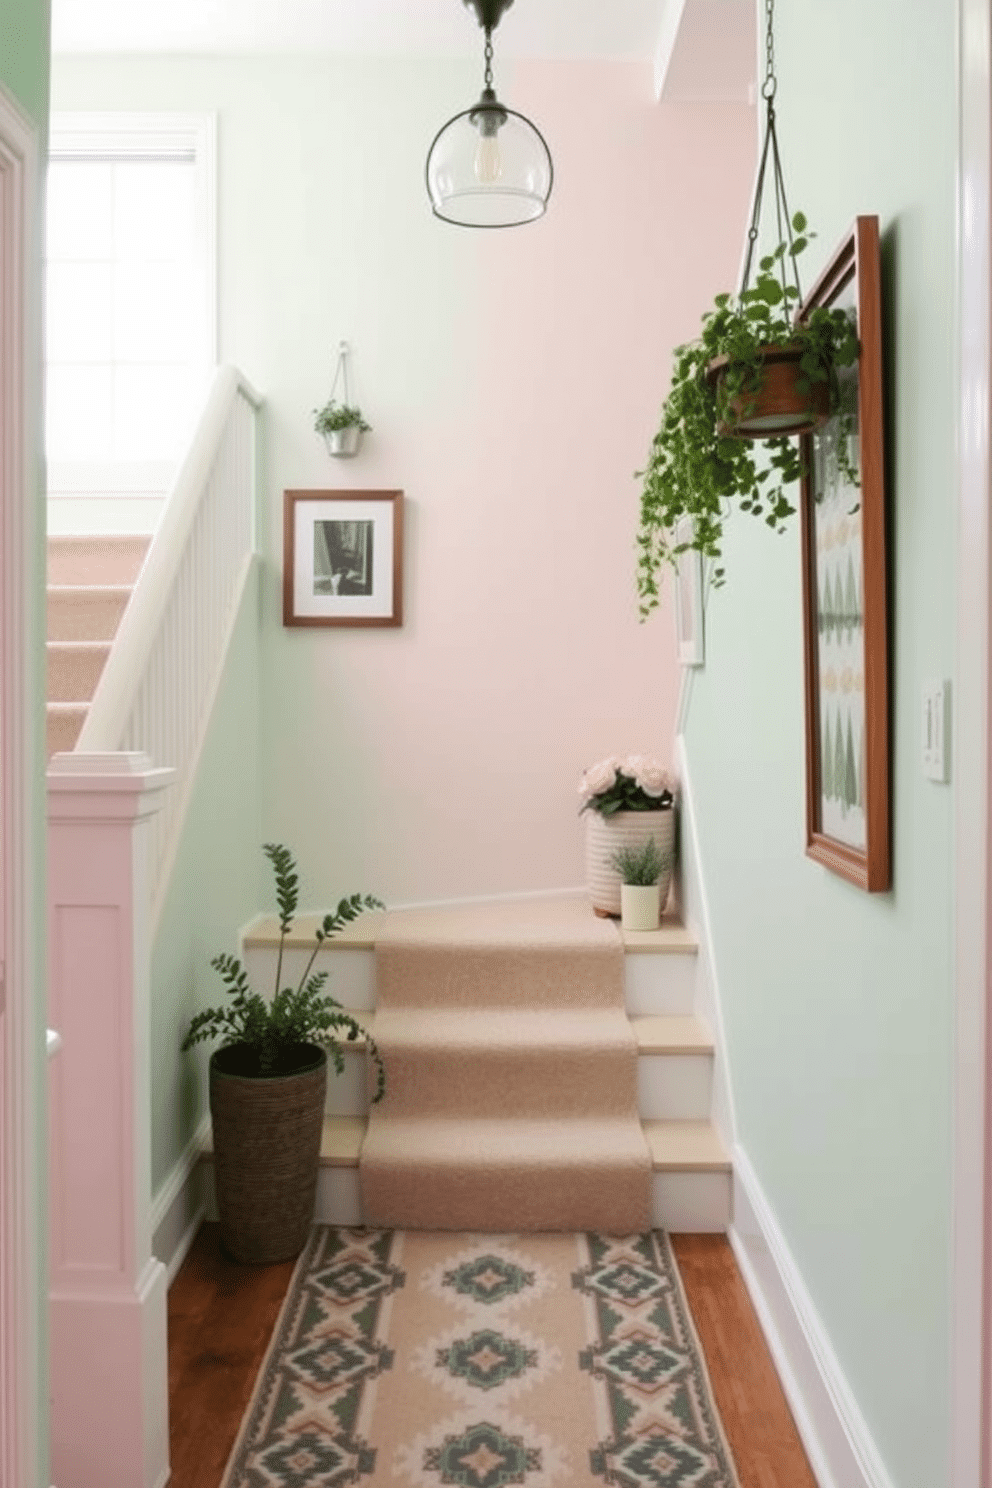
90,579
691,1180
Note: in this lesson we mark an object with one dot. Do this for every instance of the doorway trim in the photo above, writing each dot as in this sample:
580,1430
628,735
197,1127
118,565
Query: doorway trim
23,1254
971,1258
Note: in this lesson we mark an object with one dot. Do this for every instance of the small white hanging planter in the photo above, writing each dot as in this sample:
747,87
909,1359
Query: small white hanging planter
341,425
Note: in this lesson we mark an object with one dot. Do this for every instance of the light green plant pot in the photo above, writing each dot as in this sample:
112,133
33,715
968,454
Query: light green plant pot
640,906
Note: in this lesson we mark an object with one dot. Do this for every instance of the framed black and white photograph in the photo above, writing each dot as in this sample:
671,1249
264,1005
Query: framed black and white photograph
343,558
688,597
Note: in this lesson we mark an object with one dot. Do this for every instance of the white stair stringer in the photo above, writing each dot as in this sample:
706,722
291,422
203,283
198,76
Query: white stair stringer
691,1184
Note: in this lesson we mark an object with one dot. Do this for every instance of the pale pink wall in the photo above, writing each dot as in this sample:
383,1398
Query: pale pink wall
454,746
514,380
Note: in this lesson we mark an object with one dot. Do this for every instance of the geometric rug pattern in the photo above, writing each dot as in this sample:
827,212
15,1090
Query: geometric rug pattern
424,1359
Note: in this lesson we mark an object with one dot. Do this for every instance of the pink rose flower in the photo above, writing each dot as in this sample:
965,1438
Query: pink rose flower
598,778
653,778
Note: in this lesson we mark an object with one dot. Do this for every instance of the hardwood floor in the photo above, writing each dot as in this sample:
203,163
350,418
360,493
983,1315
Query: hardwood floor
759,1426
221,1316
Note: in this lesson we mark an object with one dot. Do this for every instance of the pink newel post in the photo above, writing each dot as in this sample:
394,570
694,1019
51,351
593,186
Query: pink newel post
109,1371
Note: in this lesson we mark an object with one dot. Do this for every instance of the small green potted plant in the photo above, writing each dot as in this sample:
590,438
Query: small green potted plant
342,427
758,371
268,1082
640,867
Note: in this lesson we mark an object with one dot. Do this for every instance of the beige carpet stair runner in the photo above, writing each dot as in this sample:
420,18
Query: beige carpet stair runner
511,1074
90,579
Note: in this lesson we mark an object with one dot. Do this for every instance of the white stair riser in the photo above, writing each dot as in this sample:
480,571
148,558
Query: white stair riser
674,1087
351,974
691,1203
653,985
348,1093
686,1203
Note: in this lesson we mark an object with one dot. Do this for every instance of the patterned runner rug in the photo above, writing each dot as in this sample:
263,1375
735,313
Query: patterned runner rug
420,1359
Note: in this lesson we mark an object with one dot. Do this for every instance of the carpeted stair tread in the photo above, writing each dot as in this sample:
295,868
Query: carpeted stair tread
97,558
63,724
488,1174
451,1062
86,613
74,668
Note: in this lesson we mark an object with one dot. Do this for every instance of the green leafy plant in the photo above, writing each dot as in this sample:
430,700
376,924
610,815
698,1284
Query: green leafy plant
274,1029
694,469
640,865
335,416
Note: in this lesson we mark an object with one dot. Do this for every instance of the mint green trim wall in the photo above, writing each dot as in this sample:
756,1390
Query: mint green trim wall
215,888
24,55
838,1005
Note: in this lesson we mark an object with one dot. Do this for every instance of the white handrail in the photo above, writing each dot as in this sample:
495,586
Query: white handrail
166,662
110,709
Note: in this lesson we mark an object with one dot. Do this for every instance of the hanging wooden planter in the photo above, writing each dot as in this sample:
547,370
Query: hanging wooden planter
784,403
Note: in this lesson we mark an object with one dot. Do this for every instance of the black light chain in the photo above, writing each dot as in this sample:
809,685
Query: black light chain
489,57
771,81
783,218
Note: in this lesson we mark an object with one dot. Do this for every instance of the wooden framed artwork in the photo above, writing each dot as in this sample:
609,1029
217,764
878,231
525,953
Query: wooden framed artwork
688,597
844,592
342,558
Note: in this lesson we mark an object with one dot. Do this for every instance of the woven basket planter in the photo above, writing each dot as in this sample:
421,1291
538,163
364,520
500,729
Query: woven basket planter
267,1131
604,834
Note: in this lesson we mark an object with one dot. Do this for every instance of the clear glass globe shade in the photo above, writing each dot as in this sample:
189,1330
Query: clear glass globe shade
478,179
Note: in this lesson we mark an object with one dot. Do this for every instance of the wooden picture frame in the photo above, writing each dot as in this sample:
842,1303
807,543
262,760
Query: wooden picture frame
342,558
844,594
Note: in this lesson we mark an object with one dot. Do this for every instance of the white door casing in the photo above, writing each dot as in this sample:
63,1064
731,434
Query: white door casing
23,1261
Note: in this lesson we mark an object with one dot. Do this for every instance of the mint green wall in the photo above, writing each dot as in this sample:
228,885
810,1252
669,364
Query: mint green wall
24,32
215,888
838,1005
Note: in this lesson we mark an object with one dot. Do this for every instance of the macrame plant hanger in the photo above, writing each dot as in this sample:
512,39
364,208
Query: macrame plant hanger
783,218
341,373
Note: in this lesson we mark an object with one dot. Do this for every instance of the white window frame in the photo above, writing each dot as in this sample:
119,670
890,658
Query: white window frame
76,135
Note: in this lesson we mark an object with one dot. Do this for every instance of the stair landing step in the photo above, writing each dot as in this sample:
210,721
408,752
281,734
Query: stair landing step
671,939
658,1034
676,1146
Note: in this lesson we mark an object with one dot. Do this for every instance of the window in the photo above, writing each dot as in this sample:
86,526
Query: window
129,297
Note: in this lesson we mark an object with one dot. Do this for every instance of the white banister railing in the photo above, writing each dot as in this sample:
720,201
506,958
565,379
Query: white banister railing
158,685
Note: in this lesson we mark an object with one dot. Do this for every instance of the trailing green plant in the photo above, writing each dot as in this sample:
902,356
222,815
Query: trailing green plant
641,865
294,1015
693,469
335,416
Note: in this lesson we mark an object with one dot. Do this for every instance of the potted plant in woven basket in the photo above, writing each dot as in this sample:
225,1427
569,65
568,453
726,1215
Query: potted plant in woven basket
759,371
627,801
268,1082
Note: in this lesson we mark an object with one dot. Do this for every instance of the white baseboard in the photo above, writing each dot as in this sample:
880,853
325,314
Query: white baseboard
835,1434
179,1207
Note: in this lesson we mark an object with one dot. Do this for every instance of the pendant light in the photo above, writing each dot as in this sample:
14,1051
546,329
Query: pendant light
489,166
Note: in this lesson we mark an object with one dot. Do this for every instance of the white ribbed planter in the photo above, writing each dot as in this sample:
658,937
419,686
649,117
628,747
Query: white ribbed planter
605,834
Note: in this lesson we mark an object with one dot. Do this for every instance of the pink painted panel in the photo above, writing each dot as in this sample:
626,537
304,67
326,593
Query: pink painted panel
88,1136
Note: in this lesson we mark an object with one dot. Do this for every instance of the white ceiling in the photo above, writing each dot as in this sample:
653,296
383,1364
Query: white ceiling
700,49
530,28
